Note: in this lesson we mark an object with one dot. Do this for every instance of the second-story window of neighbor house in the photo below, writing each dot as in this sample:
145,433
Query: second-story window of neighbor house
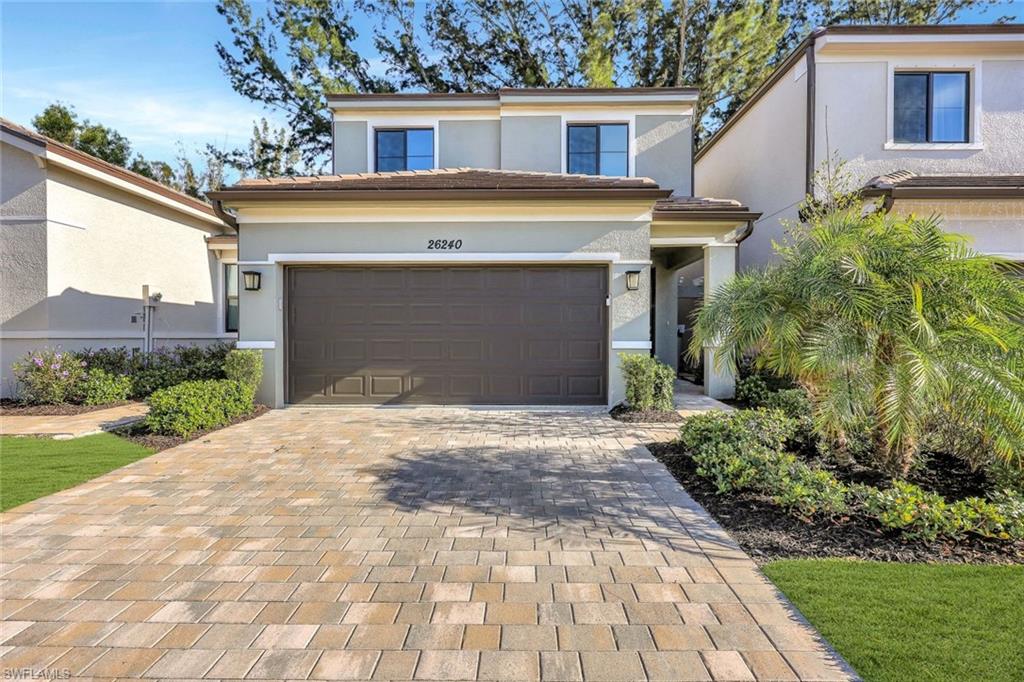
598,149
931,106
231,297
408,149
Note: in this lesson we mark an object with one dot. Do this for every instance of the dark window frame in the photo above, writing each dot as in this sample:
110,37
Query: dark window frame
405,144
928,112
228,297
597,146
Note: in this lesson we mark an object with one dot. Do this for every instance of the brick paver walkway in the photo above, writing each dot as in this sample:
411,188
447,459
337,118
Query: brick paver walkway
393,545
71,425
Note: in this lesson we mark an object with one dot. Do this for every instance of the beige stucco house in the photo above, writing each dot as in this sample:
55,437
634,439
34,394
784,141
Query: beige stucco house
480,249
930,118
79,240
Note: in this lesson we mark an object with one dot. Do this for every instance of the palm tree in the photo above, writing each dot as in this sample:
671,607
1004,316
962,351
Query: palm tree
885,320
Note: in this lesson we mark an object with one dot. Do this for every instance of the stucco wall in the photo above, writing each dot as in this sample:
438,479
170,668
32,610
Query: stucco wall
22,240
995,227
469,144
663,148
857,128
88,263
262,311
350,151
531,143
761,162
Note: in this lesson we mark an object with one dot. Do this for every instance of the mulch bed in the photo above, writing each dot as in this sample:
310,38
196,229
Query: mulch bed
624,414
768,533
139,434
13,408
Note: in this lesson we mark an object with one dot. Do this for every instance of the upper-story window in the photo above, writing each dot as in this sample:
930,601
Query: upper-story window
931,106
405,149
598,149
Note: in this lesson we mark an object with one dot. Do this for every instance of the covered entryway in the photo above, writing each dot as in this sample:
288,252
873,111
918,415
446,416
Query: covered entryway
457,335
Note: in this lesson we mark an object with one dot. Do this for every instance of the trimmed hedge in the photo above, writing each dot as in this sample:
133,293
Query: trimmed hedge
101,387
743,450
245,367
650,384
194,406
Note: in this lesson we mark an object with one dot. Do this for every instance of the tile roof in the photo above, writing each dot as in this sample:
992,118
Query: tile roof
466,181
702,208
118,172
907,184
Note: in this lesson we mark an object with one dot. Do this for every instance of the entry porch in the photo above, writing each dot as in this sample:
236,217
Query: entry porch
694,245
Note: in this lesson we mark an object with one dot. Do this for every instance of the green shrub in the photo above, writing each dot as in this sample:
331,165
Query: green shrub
910,509
1011,506
245,366
101,387
163,367
808,491
752,390
650,384
48,377
193,406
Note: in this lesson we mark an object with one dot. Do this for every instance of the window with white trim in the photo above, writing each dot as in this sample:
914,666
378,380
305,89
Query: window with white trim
931,106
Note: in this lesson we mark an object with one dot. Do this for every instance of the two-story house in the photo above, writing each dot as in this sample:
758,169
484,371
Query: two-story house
931,118
498,248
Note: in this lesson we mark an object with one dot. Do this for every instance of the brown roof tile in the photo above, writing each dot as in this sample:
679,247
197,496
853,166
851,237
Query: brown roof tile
702,208
907,184
449,181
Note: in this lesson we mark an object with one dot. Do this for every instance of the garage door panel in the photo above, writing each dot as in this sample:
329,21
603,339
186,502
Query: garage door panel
452,335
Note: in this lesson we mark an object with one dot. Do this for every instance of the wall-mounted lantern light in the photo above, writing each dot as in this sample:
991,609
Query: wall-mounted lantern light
632,280
252,280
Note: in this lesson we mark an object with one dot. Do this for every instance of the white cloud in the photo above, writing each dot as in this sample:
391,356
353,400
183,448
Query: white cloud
153,118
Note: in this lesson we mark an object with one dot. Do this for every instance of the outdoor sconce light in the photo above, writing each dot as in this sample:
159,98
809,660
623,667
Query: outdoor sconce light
252,280
632,280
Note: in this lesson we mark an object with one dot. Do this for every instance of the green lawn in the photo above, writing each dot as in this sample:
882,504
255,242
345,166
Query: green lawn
914,621
34,467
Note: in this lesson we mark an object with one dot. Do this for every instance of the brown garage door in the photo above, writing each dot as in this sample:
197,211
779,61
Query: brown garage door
447,335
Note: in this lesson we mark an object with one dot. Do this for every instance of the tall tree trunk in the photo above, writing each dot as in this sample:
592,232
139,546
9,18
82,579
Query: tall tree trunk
683,20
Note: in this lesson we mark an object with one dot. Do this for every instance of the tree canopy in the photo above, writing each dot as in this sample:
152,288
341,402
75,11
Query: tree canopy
295,52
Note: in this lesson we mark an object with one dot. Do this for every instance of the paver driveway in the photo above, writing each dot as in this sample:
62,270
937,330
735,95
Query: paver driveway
393,544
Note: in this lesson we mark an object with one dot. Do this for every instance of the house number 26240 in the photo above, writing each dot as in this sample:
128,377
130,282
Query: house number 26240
444,244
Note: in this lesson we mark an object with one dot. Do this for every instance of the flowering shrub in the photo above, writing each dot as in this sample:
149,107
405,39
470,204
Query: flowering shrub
48,376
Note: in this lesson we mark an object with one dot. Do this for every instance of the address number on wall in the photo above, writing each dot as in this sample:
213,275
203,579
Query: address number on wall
444,244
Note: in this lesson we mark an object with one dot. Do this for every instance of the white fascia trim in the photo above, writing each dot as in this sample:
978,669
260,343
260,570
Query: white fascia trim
440,257
608,111
684,241
256,345
339,107
631,345
904,38
131,188
129,334
533,212
600,99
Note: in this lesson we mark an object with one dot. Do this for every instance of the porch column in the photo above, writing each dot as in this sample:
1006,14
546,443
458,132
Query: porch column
719,267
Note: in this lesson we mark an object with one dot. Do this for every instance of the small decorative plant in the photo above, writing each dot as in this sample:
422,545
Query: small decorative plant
649,383
48,376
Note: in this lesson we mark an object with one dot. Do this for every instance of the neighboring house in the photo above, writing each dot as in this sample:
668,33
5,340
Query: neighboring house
80,239
480,249
929,117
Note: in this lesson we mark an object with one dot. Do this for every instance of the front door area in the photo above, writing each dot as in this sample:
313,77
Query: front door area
458,335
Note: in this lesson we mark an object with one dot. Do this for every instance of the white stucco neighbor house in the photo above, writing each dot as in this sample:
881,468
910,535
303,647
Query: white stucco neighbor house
930,118
494,248
80,238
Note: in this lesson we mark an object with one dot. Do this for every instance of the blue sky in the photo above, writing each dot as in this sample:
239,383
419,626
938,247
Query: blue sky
147,68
